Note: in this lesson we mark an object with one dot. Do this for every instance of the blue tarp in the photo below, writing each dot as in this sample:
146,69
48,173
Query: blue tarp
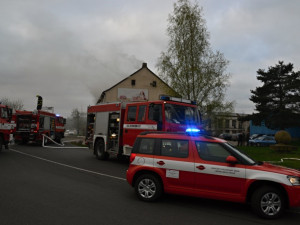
262,129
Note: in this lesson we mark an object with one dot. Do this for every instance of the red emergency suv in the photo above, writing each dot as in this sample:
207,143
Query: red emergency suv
203,166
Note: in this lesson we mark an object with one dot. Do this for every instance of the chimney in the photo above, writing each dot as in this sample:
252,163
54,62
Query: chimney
144,65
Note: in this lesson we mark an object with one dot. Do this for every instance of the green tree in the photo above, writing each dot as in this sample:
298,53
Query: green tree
189,65
277,101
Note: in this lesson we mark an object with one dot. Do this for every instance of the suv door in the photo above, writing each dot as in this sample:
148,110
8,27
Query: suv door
215,177
175,163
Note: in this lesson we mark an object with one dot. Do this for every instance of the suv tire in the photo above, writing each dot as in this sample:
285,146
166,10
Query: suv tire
148,187
268,202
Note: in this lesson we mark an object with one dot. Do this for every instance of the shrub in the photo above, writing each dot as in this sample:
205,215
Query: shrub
283,137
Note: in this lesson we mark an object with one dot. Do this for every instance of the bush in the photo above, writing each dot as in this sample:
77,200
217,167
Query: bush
283,137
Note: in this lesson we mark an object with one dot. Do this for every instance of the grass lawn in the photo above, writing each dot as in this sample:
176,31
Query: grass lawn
275,157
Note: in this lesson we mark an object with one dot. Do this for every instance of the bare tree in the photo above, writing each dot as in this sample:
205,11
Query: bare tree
14,104
189,65
79,121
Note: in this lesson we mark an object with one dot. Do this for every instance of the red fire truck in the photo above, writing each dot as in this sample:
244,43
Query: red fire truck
113,127
32,125
59,128
7,125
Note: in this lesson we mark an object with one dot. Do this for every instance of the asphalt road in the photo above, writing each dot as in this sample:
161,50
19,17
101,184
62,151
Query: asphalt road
69,186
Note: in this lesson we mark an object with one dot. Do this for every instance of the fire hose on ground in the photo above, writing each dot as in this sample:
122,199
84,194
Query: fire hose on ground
60,145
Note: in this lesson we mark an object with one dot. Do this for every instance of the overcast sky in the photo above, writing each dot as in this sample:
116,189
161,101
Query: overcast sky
69,51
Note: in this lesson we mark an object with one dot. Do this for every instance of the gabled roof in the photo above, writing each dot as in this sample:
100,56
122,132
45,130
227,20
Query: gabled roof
143,66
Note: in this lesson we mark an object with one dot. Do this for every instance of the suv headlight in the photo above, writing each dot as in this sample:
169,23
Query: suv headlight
294,180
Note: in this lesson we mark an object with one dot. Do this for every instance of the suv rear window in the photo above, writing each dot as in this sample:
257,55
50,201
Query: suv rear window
175,148
146,146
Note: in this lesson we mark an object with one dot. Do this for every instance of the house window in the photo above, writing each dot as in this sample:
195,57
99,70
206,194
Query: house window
226,123
234,123
153,84
132,82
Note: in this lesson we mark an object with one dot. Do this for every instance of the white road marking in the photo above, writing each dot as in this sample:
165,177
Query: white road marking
68,166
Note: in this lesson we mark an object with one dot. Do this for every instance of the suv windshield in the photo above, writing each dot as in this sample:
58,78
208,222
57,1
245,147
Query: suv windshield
181,114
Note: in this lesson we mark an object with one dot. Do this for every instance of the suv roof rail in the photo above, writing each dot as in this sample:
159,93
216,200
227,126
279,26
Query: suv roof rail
160,132
178,133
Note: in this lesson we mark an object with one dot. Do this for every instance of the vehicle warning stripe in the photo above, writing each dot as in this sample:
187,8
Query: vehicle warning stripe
235,172
140,126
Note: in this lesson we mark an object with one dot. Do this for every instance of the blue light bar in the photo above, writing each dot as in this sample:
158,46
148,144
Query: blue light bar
193,130
165,98
174,99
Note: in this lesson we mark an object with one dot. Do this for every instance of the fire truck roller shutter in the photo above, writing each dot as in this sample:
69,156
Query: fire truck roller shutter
101,123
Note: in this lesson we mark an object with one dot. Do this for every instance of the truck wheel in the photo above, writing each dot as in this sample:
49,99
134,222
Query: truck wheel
148,188
268,202
24,141
1,143
58,138
99,150
45,139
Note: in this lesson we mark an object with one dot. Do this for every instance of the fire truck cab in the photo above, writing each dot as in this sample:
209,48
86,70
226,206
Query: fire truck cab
113,127
7,125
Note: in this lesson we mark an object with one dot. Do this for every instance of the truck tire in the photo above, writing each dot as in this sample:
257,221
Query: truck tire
1,143
268,202
24,141
99,150
148,188
58,138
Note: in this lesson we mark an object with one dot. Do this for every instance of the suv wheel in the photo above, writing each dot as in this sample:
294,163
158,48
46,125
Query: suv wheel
268,202
148,187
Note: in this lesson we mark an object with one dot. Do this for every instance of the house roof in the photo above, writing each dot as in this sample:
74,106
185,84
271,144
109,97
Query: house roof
143,66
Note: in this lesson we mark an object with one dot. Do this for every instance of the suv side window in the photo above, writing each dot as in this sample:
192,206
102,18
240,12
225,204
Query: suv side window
212,151
175,148
146,146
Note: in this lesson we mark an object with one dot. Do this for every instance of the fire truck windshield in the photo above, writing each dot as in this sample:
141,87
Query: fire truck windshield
181,114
